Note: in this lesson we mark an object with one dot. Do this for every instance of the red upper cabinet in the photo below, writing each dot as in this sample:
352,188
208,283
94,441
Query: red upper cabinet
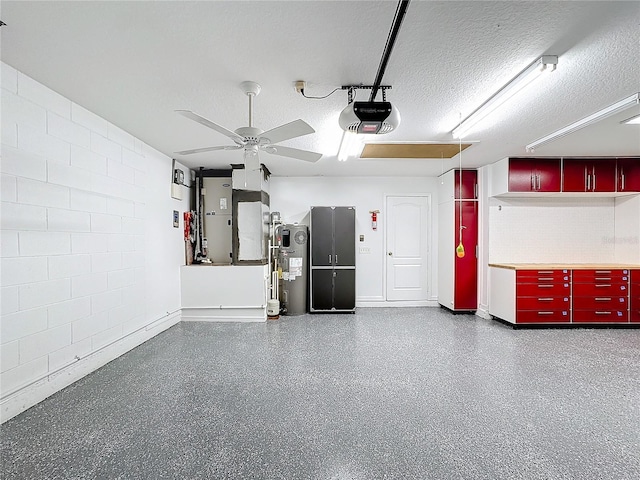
534,174
469,185
628,175
589,175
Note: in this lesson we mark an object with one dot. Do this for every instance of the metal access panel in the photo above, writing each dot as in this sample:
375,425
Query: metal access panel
217,208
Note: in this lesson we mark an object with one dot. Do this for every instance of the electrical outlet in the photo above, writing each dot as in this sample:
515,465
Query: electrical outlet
300,85
365,250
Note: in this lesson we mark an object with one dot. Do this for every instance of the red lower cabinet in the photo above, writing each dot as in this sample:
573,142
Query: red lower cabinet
542,296
600,296
634,297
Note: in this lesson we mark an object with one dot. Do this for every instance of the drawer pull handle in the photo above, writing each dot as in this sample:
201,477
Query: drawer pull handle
545,313
543,272
603,313
603,271
543,279
603,299
545,299
603,286
605,279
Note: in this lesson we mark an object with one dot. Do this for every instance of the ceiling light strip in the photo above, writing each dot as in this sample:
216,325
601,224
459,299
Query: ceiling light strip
596,117
350,146
545,63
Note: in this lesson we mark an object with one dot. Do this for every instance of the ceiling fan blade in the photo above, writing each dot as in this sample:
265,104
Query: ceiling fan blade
296,153
208,123
208,149
294,129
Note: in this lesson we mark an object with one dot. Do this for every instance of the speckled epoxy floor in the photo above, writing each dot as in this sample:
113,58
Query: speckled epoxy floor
412,393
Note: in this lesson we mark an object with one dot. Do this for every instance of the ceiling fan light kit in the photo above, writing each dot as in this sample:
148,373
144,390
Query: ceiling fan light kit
546,63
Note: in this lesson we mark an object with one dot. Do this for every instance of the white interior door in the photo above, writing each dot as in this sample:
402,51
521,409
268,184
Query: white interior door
407,247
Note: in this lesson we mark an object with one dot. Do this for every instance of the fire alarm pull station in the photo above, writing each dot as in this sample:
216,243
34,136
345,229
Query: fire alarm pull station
374,219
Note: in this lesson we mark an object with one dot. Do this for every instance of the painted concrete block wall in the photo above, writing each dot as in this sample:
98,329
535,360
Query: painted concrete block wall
89,253
293,196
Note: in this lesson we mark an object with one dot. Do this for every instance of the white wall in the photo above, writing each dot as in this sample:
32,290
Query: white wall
293,196
90,259
626,237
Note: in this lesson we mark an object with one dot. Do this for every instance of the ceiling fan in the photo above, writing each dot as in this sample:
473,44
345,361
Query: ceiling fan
252,139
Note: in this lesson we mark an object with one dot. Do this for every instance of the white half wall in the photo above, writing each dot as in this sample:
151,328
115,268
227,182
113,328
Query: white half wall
293,197
90,257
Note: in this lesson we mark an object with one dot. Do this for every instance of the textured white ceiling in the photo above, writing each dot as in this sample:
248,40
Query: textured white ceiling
135,62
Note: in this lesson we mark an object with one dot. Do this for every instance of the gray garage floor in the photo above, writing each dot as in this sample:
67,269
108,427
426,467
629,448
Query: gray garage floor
413,393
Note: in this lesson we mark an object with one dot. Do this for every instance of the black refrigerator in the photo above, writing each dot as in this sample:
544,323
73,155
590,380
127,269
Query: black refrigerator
333,259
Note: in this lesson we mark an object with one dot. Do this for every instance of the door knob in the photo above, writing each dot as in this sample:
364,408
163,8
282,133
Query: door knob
390,253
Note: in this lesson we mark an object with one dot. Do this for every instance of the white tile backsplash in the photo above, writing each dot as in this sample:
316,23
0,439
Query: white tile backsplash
550,230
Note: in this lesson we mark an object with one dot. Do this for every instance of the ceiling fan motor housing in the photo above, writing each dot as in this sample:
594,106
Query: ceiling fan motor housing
374,118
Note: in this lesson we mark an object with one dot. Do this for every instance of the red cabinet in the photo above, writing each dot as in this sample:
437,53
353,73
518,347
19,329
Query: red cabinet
628,175
534,174
634,297
465,295
600,296
543,296
458,216
589,175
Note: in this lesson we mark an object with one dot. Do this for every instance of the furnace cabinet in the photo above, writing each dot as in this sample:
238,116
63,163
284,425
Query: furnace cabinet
333,259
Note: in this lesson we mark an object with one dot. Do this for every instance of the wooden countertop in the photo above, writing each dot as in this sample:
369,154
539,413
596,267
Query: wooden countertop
565,266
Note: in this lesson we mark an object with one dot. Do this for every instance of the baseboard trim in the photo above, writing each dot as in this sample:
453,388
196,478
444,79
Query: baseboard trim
32,394
399,303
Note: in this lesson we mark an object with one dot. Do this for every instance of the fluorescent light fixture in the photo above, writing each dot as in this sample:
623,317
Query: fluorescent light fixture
350,146
546,63
635,120
593,118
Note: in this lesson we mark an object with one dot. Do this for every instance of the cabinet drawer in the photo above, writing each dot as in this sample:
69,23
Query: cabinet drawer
535,276
542,289
601,316
600,303
600,276
542,316
542,303
604,289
